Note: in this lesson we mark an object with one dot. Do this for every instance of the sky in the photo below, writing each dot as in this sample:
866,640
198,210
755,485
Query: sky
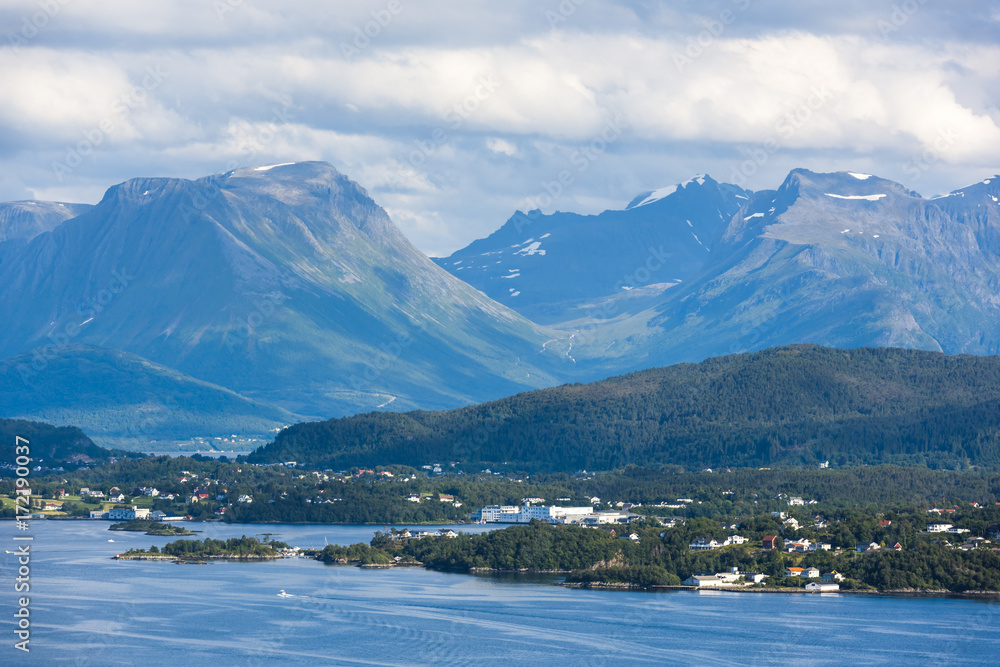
455,114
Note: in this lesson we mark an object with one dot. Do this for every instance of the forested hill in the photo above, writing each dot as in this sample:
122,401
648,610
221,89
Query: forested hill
795,404
51,445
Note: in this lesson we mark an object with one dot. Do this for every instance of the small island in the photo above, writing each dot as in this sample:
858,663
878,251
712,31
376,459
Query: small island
151,527
236,548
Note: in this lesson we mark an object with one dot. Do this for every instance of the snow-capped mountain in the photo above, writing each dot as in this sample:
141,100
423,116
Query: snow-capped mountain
844,260
550,267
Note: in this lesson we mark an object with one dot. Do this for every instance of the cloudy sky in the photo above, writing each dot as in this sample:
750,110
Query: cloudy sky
454,114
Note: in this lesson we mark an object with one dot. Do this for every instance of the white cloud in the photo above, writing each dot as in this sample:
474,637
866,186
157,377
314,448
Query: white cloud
427,115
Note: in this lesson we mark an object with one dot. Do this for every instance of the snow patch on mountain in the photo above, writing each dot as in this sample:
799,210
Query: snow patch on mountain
272,166
865,197
533,249
860,177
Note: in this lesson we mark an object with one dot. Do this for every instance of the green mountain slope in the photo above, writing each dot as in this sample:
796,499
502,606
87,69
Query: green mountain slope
796,404
119,397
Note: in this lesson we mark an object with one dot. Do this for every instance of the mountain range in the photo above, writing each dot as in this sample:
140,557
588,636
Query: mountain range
275,294
843,259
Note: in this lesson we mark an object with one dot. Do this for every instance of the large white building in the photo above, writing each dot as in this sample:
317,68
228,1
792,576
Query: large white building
525,513
128,513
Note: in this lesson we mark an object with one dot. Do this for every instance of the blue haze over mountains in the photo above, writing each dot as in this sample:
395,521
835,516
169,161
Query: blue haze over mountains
272,294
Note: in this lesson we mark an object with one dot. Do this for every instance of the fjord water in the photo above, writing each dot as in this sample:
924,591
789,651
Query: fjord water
90,610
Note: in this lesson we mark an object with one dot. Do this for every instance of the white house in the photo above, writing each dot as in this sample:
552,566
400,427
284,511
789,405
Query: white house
938,527
795,500
703,544
244,499
833,575
822,587
791,523
119,498
811,573
798,545
734,539
706,581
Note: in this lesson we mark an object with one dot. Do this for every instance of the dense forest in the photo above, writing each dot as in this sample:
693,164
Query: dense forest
799,404
234,547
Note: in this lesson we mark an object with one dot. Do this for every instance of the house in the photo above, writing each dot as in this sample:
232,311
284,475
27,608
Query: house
157,515
447,532
800,546
794,571
51,506
754,577
818,546
955,530
118,498
59,493
897,546
84,491
734,539
938,527
769,543
795,500
633,536
413,497
707,581
811,573
791,523
832,575
245,499
595,501
192,498
822,587
867,548
202,496
98,514
151,491
703,544
445,498
779,515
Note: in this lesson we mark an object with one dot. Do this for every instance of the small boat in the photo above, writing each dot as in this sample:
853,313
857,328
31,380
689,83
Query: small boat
283,594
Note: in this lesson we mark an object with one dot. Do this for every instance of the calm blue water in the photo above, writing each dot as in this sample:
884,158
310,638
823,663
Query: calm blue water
90,610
